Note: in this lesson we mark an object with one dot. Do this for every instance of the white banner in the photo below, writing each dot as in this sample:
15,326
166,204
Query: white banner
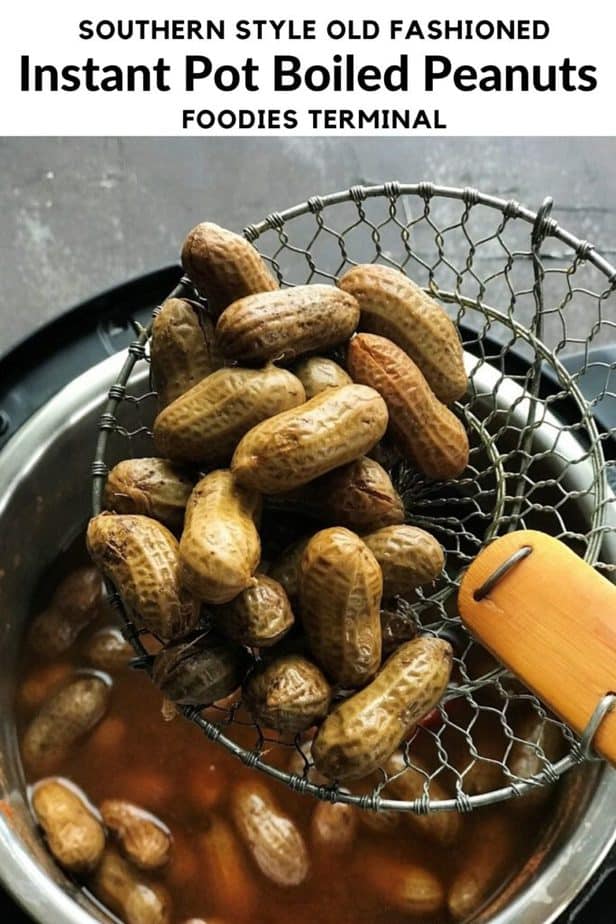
240,68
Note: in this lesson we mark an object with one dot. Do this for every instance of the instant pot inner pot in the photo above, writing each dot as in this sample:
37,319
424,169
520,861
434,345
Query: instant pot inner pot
46,502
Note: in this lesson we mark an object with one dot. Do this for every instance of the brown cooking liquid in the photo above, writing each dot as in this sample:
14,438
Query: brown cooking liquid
171,769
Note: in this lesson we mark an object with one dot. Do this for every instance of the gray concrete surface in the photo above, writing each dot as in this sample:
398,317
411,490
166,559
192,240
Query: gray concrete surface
80,215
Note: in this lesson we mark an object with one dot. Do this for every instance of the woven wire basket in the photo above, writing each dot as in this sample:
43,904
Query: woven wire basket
531,302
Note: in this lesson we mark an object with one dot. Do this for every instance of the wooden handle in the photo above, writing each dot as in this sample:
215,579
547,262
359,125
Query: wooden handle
551,619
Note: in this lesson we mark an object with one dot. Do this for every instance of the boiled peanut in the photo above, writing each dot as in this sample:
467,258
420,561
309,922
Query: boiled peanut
363,731
285,568
220,546
427,431
397,626
183,349
74,834
41,683
340,595
393,306
154,487
486,858
284,324
70,713
333,428
300,762
481,776
142,559
143,838
316,373
207,422
259,616
108,650
226,873
199,669
359,496
333,826
381,822
289,694
273,839
134,900
408,557
408,887
224,266
538,737
75,603
408,784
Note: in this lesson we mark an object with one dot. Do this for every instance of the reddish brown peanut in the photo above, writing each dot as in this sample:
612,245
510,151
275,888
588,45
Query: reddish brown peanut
408,557
108,650
540,741
360,734
393,306
285,568
290,694
183,348
41,683
230,882
75,603
199,669
333,826
340,595
273,839
74,834
70,713
409,784
258,617
220,546
316,373
143,839
427,431
154,487
333,428
136,901
486,859
206,423
284,324
142,559
224,266
408,887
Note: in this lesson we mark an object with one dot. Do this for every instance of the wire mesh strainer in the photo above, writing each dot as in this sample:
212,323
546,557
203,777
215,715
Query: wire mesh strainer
529,317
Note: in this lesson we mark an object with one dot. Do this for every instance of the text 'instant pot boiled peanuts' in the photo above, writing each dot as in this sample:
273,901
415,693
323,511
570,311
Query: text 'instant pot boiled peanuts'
70,713
153,487
183,349
340,595
289,694
259,616
205,424
142,559
424,428
199,670
284,324
75,603
74,834
220,546
108,650
316,373
408,784
409,558
224,266
333,428
360,734
118,885
333,826
393,306
408,887
273,839
142,838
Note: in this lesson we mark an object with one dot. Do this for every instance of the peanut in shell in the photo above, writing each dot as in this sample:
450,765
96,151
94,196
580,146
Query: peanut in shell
143,839
136,901
289,694
259,616
409,557
410,783
199,669
316,373
74,834
154,487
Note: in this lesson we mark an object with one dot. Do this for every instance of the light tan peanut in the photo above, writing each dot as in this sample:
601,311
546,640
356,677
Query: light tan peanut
273,839
225,870
75,603
142,559
73,833
288,450
340,596
541,741
70,713
409,784
359,495
408,887
108,650
136,901
289,694
200,669
393,306
220,546
154,487
284,324
224,266
427,431
486,859
333,826
285,568
360,734
143,839
316,373
183,348
409,557
397,626
205,424
258,617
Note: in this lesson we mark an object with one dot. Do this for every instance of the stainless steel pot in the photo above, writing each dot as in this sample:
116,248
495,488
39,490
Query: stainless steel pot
44,474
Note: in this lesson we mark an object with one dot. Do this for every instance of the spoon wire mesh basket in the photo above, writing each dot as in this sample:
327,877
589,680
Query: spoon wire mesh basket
526,312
